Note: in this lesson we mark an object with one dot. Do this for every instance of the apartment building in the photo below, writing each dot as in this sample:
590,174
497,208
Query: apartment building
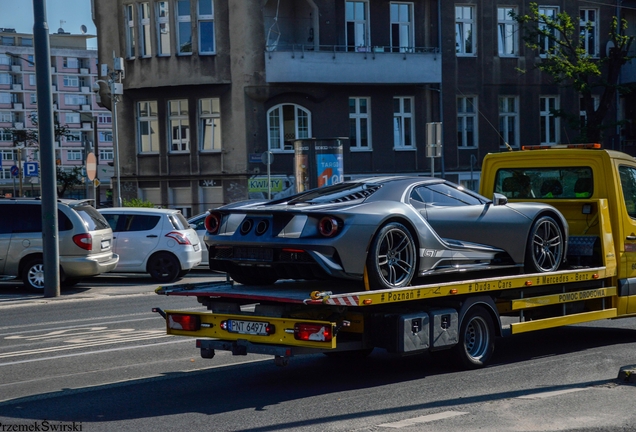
74,71
210,85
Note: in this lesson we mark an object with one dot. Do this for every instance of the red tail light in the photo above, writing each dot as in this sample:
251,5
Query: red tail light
184,322
85,241
213,222
329,226
179,237
312,332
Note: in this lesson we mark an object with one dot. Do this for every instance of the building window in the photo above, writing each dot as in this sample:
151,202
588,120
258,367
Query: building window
163,28
5,60
70,63
589,31
32,80
286,123
6,117
5,98
465,30
549,122
75,155
210,124
360,123
73,136
206,26
403,126
104,119
28,42
547,14
72,118
508,121
144,30
184,27
33,97
71,81
402,27
129,13
5,79
467,121
507,31
583,113
356,17
106,154
7,40
7,155
106,136
179,125
147,127
72,99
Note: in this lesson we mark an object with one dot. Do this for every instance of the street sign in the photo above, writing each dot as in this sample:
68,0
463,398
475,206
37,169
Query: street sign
15,171
96,182
30,169
91,166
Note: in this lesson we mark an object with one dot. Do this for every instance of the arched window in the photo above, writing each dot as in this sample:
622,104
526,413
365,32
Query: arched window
286,123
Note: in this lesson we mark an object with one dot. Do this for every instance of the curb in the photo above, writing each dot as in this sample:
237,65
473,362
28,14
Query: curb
627,374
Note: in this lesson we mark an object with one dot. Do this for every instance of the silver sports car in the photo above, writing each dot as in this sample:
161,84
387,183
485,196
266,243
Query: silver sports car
385,230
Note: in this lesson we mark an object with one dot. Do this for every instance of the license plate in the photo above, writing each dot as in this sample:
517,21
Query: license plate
247,327
254,254
105,244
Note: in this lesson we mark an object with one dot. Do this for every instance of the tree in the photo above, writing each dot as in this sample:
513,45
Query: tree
567,62
66,180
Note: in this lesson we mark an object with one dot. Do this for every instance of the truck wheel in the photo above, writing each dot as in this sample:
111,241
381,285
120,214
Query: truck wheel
392,258
33,275
476,339
544,250
164,267
253,278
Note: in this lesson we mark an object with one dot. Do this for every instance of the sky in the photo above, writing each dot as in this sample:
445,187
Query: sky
68,14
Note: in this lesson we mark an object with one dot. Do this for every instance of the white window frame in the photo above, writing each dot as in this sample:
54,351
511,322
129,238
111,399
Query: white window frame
162,12
210,118
185,20
509,121
6,117
104,119
550,124
589,16
32,80
129,14
73,118
75,154
467,121
463,25
73,136
5,60
5,98
277,143
147,118
178,126
105,136
360,25
359,122
106,154
71,81
403,113
405,27
7,155
145,45
75,99
70,63
203,21
583,113
5,79
545,44
33,97
507,32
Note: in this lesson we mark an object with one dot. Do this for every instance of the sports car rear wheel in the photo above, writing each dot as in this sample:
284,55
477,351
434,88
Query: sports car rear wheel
392,258
545,246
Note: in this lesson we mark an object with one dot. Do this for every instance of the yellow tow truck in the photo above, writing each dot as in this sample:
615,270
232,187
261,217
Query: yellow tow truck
594,189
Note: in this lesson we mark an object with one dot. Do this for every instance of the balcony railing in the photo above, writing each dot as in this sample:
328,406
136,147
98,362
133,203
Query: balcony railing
349,64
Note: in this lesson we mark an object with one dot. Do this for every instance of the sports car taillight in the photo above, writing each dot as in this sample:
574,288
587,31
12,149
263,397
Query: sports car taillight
213,222
179,237
329,226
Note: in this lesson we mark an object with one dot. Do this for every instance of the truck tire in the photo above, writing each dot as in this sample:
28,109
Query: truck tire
33,275
476,339
392,258
544,249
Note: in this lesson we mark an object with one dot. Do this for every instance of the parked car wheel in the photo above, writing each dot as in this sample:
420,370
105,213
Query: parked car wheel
476,339
392,259
545,246
164,267
33,275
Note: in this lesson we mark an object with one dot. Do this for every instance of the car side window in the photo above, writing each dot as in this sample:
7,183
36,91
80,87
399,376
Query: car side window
443,195
6,218
27,218
141,222
628,184
112,220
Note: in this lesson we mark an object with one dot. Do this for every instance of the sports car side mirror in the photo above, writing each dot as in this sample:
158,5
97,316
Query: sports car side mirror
499,199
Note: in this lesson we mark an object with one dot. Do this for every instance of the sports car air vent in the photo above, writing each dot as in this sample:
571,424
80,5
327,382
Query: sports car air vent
357,194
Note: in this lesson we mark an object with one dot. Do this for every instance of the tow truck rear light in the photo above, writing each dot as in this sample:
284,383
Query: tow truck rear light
312,332
85,241
184,322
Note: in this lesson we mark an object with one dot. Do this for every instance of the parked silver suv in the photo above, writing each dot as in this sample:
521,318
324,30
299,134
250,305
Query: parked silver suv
85,241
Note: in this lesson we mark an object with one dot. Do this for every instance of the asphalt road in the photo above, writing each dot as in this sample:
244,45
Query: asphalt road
97,359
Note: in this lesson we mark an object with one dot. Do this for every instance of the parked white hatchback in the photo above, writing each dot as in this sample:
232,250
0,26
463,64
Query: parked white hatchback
159,242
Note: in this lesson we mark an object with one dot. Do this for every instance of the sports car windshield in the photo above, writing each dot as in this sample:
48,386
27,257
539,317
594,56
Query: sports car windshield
340,192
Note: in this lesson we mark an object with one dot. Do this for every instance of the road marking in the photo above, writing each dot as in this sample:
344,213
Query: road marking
423,419
544,395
